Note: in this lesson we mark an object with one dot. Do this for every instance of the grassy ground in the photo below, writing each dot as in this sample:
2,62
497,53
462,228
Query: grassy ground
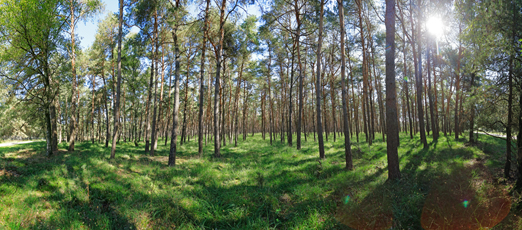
258,186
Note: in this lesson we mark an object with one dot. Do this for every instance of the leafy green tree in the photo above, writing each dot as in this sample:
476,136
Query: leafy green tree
30,44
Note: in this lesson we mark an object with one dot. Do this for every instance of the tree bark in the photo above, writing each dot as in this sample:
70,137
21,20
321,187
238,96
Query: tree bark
472,110
318,84
391,94
419,90
175,118
184,126
435,133
202,81
219,53
457,91
118,87
346,121
73,84
366,117
155,73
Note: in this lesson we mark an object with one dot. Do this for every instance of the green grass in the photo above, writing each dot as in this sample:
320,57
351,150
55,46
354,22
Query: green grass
253,186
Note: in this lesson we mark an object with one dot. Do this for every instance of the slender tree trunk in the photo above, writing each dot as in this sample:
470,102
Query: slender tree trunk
290,104
245,109
49,150
519,144
73,85
202,82
379,94
507,167
318,84
149,100
426,105
222,104
118,87
270,100
448,99
406,79
160,107
419,91
155,71
54,120
365,107
346,128
184,127
107,133
457,91
93,81
175,118
472,109
430,97
355,106
301,104
58,108
219,52
236,103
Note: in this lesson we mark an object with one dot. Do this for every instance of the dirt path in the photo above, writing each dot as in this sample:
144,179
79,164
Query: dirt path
14,143
514,136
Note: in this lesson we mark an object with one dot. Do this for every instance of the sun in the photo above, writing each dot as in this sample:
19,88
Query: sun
435,26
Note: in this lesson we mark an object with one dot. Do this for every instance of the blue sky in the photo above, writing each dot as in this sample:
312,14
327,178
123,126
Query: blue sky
87,29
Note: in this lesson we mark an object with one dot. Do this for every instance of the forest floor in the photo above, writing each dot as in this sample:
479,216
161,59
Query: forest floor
451,185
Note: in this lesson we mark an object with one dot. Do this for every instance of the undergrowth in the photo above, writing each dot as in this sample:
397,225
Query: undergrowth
253,186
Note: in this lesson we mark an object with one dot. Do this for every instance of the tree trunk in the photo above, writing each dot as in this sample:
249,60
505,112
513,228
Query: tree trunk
93,81
391,94
290,104
175,118
160,109
419,87
519,144
457,92
346,128
202,82
149,100
107,133
318,84
219,53
54,120
430,97
507,167
184,126
155,76
472,110
406,79
73,84
365,107
118,87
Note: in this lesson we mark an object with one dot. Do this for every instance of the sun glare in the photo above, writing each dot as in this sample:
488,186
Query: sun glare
435,26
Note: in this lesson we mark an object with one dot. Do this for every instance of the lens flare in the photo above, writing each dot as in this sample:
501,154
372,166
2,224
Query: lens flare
346,199
465,203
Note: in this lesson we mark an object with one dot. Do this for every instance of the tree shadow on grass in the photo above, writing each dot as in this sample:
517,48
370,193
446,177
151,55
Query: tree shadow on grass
372,211
466,198
36,173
